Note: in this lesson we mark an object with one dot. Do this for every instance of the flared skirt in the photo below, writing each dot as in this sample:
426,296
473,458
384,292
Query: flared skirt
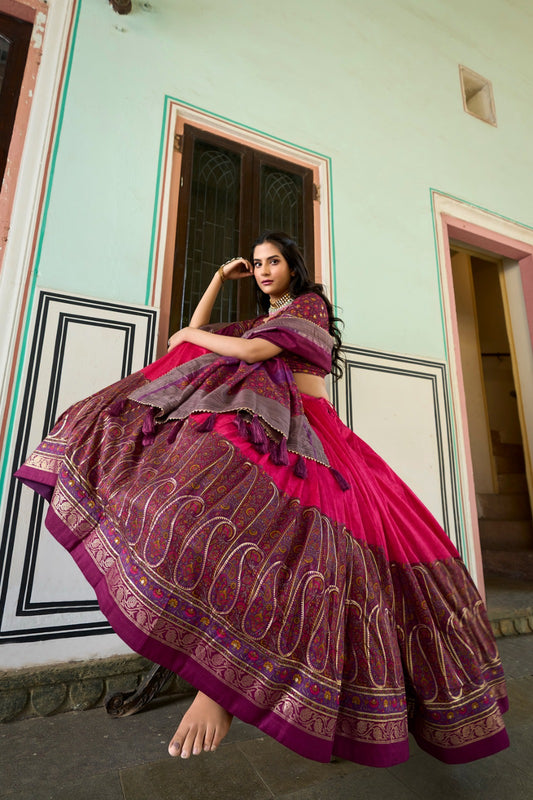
335,621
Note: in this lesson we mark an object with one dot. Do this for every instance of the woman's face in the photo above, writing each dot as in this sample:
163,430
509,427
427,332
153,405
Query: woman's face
271,270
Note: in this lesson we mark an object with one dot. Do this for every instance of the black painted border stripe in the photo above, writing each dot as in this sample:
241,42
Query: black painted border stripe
47,299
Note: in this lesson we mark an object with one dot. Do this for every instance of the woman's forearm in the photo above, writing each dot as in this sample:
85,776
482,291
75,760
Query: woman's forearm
249,350
234,269
202,312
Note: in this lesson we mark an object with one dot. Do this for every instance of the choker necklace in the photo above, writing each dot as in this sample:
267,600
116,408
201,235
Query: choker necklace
281,302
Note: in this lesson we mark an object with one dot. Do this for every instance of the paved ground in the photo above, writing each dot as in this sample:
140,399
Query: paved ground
88,756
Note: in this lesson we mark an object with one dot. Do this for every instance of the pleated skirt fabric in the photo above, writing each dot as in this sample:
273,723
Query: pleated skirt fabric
335,621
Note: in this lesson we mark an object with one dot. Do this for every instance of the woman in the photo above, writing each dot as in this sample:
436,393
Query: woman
237,532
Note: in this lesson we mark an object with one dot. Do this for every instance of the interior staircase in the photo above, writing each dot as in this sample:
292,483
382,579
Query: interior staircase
506,534
505,524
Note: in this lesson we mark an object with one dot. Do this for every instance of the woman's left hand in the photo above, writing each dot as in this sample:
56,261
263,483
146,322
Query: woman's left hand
178,337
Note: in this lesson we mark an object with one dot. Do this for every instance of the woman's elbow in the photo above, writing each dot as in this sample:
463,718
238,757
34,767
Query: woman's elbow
256,351
252,357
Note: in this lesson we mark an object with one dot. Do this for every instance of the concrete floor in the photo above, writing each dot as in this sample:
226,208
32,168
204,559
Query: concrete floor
88,756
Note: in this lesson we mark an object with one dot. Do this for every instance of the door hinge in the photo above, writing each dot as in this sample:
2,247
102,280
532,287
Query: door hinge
316,192
178,142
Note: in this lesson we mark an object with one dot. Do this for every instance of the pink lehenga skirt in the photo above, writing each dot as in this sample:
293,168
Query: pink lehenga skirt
335,621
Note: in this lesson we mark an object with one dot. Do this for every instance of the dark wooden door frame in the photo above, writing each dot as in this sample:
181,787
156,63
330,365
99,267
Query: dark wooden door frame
252,160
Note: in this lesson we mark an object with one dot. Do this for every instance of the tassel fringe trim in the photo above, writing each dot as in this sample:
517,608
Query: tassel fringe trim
253,431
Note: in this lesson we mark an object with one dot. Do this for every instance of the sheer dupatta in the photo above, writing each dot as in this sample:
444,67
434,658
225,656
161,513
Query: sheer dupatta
263,396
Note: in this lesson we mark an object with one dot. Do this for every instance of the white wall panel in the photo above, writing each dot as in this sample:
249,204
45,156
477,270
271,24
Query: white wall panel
78,346
399,405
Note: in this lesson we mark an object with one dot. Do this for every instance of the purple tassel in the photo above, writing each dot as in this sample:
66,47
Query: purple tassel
258,436
242,427
261,447
300,468
174,432
341,480
116,408
149,422
283,452
206,424
279,453
256,431
149,427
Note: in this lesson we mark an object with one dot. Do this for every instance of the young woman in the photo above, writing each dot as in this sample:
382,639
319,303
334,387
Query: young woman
237,532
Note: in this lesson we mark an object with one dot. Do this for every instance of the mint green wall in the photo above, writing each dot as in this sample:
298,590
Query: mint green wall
372,85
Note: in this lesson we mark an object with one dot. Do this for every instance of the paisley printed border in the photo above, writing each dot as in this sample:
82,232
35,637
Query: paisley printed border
370,712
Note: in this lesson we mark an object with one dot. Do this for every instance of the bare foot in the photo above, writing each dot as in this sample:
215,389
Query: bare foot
203,727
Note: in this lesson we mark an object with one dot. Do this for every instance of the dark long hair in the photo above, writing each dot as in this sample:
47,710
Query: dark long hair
301,283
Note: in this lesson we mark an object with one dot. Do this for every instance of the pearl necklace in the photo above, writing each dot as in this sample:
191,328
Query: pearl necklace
281,302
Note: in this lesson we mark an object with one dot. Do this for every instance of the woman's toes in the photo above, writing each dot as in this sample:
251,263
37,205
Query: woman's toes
208,739
220,733
202,728
182,742
174,747
188,748
198,744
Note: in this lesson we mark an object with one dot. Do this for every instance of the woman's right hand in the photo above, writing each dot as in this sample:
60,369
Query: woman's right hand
235,269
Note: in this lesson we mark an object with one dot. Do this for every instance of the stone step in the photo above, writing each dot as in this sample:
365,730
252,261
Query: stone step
503,506
513,483
499,534
511,462
518,566
507,448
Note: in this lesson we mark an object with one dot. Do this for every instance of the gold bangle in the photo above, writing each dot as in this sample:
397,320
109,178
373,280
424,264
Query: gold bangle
229,261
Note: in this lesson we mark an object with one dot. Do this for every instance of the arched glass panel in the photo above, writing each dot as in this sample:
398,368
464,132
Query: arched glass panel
213,227
281,203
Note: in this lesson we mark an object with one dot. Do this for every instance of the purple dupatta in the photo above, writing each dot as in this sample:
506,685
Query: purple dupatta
264,395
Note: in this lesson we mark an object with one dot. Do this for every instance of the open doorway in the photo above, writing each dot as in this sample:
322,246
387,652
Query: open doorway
494,413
